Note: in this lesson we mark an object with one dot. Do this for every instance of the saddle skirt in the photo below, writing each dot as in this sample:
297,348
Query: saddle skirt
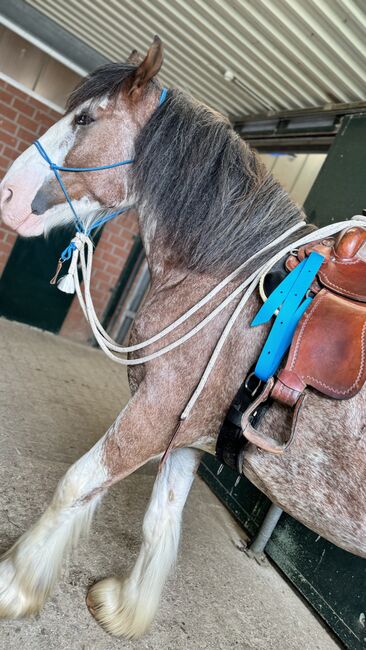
329,347
328,350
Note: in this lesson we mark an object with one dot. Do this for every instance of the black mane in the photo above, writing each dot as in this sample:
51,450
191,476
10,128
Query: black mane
209,195
104,81
212,198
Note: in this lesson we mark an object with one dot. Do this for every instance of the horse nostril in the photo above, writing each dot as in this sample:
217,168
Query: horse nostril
7,195
40,203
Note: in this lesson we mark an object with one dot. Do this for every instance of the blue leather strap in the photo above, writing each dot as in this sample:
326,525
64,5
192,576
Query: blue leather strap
288,298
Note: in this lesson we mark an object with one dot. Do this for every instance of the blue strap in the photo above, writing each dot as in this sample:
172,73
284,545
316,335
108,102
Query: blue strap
288,298
78,222
163,96
106,218
93,169
59,168
277,297
43,153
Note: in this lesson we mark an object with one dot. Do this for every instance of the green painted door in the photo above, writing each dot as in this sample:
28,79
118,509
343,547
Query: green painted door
333,581
25,291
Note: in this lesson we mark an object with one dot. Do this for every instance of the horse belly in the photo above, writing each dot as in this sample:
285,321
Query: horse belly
320,480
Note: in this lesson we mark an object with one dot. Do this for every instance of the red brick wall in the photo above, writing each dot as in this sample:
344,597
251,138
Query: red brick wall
22,120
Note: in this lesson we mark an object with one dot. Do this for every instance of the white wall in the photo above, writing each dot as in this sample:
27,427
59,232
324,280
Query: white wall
35,70
296,172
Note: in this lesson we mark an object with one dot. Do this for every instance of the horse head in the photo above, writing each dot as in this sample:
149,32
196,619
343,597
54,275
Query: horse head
104,115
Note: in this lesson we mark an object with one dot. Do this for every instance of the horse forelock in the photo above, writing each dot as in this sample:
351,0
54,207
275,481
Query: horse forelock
209,193
106,81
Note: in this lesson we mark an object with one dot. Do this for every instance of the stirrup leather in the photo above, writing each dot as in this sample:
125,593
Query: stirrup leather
262,440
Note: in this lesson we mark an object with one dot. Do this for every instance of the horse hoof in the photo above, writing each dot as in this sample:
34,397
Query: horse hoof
108,602
14,600
102,602
90,603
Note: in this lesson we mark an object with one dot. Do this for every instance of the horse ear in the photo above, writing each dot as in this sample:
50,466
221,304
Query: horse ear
135,58
147,69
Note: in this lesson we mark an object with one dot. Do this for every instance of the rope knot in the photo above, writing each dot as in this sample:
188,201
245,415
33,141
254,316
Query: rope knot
80,239
66,254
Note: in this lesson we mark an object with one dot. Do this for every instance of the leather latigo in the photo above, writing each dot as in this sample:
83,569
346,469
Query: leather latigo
329,347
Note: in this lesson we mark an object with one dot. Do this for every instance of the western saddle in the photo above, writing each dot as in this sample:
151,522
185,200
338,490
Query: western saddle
328,349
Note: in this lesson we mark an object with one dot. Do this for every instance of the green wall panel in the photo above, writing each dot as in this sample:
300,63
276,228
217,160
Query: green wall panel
25,291
339,191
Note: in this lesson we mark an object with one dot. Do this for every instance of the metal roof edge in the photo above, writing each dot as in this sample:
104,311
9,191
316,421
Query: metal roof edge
37,28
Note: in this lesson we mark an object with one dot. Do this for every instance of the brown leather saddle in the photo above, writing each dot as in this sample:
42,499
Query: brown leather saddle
328,351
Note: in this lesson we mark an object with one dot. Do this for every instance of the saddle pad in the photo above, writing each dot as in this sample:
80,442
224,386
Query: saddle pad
328,350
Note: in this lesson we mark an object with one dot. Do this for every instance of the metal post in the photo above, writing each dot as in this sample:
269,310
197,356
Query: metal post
269,524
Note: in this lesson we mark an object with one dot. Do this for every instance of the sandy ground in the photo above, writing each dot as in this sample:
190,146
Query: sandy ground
56,399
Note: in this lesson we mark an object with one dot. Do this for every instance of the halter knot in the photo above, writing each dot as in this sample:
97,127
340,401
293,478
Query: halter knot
66,254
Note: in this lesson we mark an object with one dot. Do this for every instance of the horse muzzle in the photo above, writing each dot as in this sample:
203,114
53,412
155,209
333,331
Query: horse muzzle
16,208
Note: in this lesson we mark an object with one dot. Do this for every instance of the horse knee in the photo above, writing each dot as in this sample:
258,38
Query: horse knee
83,480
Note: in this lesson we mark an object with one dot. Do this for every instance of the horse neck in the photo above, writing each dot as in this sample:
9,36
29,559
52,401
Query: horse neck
177,288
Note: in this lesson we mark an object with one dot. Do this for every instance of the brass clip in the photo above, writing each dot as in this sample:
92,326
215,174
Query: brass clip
58,269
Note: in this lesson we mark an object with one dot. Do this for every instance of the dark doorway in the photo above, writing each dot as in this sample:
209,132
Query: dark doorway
25,291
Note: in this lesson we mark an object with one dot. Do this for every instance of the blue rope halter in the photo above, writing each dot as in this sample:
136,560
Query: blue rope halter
66,254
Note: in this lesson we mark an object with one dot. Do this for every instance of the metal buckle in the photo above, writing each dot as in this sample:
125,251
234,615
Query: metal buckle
252,390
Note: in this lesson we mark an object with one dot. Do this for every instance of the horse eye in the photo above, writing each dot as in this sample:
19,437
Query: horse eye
83,119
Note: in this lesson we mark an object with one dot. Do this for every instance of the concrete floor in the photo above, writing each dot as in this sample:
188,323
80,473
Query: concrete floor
56,399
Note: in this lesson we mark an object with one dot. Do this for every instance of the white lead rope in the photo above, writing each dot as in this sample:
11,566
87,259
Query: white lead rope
71,281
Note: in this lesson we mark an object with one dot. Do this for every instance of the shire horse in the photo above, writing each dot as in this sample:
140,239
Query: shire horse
205,203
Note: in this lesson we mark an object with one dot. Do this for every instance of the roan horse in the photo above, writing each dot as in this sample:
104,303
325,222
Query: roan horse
205,204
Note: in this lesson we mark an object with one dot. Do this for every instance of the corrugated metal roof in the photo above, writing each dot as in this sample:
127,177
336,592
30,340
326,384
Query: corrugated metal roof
284,54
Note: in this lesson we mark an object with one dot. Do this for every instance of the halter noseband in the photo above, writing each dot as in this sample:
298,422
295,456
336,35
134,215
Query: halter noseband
66,254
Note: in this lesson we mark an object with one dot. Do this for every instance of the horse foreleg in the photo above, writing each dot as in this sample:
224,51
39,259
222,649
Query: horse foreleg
30,568
127,607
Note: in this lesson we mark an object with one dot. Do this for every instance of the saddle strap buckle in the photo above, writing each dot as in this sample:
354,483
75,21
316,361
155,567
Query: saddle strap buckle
262,440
